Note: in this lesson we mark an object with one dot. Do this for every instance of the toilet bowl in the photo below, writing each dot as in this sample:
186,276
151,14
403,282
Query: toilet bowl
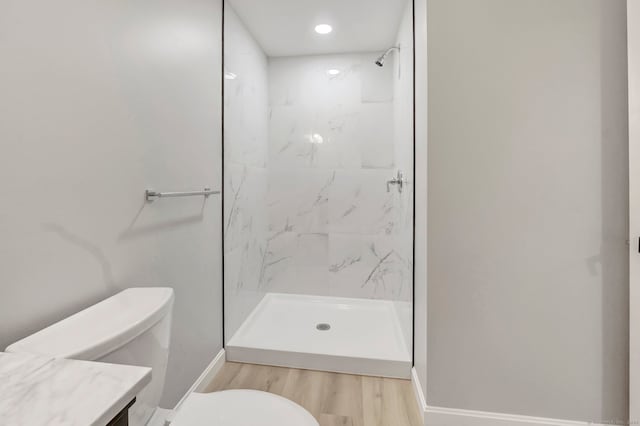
241,408
133,328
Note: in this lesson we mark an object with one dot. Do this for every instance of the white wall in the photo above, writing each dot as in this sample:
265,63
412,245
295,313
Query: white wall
420,283
528,207
331,152
633,19
246,157
101,100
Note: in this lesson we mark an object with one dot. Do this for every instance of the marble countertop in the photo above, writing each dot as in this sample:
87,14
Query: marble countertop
37,390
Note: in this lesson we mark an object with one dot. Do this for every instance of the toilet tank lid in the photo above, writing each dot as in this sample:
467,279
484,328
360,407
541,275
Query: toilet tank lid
102,328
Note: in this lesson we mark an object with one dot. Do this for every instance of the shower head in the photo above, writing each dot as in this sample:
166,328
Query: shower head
383,57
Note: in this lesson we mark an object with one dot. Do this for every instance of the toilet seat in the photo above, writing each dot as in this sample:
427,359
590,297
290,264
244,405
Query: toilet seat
241,408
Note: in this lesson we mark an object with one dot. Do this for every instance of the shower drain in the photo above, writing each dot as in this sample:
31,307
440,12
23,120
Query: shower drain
323,327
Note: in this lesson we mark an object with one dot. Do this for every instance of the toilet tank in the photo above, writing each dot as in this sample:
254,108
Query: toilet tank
133,328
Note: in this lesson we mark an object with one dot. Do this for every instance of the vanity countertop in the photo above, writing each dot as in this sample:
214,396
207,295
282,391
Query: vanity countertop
36,390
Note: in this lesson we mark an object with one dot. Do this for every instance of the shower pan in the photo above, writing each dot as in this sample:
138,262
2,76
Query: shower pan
318,195
337,334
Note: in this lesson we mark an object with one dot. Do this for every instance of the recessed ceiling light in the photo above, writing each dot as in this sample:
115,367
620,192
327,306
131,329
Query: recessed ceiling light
324,28
333,72
230,76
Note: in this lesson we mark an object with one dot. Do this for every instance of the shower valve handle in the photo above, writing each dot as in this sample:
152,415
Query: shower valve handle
398,180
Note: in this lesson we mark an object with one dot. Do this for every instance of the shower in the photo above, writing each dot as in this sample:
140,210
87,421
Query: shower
383,57
317,253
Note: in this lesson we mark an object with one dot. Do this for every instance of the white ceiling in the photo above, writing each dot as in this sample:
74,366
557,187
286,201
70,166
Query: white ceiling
286,27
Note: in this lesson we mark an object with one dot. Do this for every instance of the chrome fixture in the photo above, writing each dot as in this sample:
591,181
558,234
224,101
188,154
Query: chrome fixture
383,57
151,195
398,180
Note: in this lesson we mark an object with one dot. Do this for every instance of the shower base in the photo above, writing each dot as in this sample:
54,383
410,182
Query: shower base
341,335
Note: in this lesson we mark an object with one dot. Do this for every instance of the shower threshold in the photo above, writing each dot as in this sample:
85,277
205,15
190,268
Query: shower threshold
356,336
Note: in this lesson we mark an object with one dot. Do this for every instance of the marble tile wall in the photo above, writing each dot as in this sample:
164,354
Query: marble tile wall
333,227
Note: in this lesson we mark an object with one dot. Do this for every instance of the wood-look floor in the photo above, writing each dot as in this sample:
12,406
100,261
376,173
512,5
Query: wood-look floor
333,399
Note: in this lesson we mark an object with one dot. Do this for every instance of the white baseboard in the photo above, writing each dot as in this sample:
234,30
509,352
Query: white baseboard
160,417
417,391
211,372
438,416
206,377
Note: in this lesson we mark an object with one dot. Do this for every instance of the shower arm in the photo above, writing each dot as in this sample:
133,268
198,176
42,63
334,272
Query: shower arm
391,49
381,58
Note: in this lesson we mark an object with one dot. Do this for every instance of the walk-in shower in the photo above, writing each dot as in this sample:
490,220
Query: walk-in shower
318,194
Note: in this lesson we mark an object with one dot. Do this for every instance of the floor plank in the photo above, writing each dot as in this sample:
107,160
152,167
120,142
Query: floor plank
307,388
333,399
332,420
372,401
343,396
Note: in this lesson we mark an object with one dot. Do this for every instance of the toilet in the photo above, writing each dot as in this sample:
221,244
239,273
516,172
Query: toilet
133,328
